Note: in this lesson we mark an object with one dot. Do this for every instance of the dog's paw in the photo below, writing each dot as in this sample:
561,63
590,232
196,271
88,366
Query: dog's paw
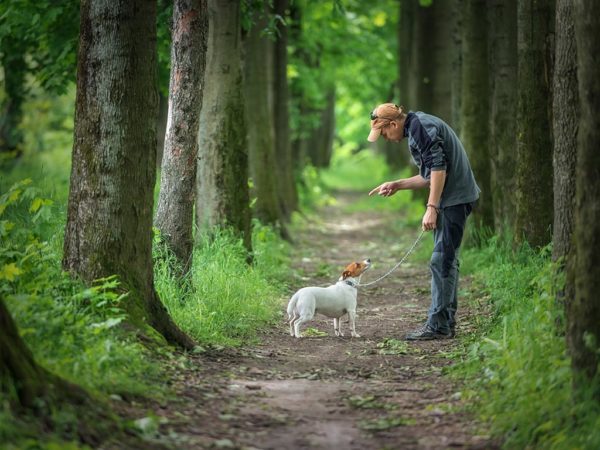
356,335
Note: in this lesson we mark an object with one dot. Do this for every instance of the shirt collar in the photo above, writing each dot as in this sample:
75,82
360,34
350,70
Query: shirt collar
409,118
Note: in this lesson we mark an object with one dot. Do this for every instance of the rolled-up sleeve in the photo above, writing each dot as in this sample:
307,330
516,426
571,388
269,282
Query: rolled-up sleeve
437,157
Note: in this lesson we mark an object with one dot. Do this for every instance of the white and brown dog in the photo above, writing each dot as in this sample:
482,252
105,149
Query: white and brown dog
332,301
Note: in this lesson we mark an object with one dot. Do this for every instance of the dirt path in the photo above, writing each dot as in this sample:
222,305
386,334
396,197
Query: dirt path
326,392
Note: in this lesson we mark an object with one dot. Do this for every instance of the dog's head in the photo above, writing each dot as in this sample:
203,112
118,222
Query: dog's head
356,269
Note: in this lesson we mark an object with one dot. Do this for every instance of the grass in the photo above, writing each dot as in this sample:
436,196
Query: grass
517,368
223,301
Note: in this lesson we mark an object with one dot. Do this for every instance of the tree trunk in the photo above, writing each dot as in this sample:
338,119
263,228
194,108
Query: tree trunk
11,109
534,197
161,127
503,79
175,211
441,76
475,105
456,68
584,271
423,68
261,132
222,198
17,366
566,121
318,146
405,35
283,149
109,222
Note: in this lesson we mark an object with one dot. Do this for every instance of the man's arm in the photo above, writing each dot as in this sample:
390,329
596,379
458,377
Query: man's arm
391,187
438,178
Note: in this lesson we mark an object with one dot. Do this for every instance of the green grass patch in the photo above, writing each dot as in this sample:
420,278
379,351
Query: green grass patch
223,300
518,369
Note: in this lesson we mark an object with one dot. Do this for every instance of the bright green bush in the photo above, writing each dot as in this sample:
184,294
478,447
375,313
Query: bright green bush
519,365
224,300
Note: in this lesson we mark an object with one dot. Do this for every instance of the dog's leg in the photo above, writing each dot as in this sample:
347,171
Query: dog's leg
299,322
336,326
339,320
291,322
352,316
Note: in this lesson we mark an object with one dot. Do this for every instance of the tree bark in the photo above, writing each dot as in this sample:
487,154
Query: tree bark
318,146
175,211
283,149
261,132
534,196
584,269
109,220
565,126
503,79
475,105
422,69
456,68
222,198
441,76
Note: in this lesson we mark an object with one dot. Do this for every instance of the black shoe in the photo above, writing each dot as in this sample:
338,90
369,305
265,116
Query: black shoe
426,333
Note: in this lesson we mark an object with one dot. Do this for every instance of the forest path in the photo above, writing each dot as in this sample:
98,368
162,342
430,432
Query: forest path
326,392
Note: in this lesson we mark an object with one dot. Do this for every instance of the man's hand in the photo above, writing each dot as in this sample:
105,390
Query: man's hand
430,219
386,189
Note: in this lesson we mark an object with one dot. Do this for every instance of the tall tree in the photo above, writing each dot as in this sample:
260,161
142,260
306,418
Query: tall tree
109,221
422,69
584,271
456,68
565,126
475,104
222,197
502,46
259,116
534,199
441,77
283,149
175,211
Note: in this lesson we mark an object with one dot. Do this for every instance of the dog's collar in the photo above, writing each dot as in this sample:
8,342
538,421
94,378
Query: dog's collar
350,282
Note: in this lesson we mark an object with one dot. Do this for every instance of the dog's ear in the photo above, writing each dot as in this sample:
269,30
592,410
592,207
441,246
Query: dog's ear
346,274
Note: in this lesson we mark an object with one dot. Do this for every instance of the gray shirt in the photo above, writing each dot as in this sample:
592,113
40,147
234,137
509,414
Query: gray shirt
434,146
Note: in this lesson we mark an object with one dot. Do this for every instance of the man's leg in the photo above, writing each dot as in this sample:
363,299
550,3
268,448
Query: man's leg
444,273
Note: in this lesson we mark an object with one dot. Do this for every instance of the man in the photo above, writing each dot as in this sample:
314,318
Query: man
444,168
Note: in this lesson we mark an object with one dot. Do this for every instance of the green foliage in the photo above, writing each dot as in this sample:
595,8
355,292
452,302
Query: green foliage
72,330
519,369
224,300
47,32
348,45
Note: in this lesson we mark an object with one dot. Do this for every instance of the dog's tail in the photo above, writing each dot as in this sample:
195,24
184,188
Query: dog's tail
292,306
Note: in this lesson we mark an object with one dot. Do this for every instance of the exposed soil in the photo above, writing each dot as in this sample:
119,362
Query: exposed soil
326,392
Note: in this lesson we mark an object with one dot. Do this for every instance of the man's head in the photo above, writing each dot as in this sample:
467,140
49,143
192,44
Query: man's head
387,120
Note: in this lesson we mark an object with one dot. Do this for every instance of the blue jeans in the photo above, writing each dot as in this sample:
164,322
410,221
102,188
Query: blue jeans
444,266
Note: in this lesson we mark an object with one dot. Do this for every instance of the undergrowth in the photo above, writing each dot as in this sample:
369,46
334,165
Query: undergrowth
518,368
223,300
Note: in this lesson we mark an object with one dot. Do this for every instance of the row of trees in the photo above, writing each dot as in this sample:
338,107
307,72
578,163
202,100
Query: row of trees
228,121
518,80
228,96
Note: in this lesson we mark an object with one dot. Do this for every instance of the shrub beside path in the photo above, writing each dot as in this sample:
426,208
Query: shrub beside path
327,392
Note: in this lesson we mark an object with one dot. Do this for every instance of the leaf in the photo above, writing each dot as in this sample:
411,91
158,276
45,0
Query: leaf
10,272
35,204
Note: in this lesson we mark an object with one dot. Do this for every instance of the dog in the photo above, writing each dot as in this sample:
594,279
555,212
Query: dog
332,301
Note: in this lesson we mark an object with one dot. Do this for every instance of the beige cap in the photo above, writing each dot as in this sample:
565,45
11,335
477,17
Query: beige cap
382,116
